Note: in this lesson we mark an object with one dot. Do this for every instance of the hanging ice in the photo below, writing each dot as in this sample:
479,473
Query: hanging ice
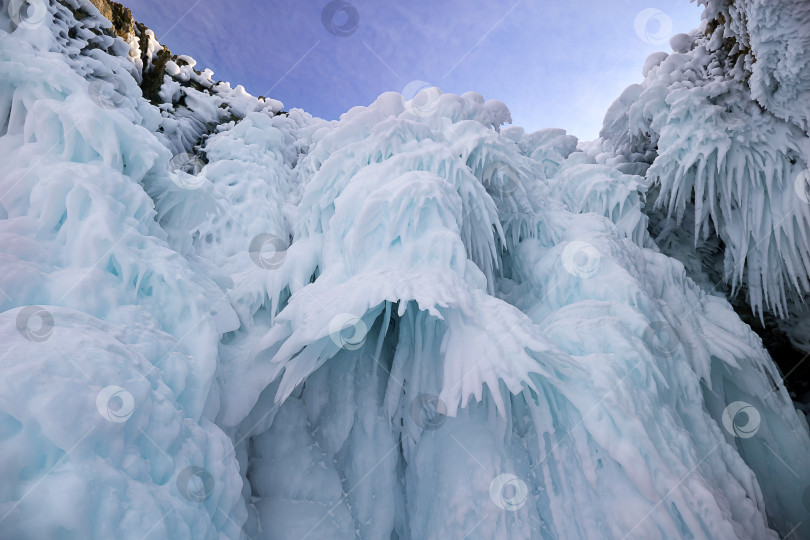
225,322
722,125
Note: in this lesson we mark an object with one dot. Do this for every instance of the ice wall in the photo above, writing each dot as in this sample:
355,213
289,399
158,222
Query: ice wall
408,323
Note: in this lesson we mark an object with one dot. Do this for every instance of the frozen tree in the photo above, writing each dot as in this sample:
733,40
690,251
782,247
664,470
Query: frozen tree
720,128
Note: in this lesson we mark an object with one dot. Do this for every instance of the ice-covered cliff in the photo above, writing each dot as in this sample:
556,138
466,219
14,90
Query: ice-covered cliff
720,128
223,320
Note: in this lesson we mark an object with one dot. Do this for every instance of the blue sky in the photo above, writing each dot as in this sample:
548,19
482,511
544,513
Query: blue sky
554,64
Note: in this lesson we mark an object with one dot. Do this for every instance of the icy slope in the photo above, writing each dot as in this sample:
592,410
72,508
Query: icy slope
405,324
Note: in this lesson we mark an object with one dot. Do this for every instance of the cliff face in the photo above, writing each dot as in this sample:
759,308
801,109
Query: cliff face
123,25
152,59
192,103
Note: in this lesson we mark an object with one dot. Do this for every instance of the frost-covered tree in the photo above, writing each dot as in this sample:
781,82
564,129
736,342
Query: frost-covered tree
224,321
720,127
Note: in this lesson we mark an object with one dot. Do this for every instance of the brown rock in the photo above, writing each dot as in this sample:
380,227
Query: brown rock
119,15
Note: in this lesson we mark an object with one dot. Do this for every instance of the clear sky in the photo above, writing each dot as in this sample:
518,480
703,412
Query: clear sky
554,63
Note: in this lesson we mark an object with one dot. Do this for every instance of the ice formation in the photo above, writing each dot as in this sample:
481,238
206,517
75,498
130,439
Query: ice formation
222,320
720,127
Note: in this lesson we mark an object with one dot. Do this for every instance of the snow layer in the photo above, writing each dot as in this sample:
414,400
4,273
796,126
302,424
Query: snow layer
403,324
